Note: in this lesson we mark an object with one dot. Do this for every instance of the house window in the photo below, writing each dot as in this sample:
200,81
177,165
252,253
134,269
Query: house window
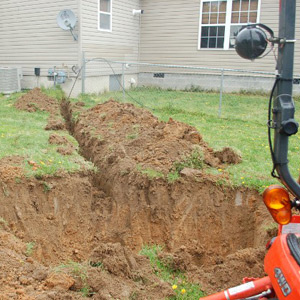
105,15
221,20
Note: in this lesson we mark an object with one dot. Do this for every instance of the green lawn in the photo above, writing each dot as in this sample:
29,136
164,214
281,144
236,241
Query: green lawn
242,126
22,133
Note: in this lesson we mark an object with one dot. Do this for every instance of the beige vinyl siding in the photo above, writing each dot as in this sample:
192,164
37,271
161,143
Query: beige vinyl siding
170,32
121,44
30,36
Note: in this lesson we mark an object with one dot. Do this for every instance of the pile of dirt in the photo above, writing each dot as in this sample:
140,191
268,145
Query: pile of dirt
228,156
36,100
67,147
222,271
113,272
10,168
82,234
123,134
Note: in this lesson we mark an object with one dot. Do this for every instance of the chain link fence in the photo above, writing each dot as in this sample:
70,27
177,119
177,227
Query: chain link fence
144,82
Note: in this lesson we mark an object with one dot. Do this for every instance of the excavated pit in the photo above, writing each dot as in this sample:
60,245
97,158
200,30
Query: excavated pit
212,231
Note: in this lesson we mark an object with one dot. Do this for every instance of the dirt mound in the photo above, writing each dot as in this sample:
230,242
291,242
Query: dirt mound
228,156
36,100
58,139
55,123
213,276
10,169
21,276
121,275
137,138
243,263
67,149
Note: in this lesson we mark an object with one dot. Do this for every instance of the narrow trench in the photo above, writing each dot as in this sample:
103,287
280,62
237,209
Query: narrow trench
219,219
113,213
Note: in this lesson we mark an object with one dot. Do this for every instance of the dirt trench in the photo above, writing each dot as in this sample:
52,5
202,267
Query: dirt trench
212,231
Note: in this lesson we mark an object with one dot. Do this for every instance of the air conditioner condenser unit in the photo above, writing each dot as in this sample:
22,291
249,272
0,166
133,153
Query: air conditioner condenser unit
10,80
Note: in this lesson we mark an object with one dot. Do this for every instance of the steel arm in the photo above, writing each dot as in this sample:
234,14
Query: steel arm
283,105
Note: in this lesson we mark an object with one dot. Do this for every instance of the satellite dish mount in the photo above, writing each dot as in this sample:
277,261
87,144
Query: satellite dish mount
67,20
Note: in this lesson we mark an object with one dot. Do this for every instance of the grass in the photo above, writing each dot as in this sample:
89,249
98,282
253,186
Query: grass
150,173
29,248
22,134
176,279
78,270
194,161
242,126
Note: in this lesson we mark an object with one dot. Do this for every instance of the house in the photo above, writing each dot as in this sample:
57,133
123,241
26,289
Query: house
196,33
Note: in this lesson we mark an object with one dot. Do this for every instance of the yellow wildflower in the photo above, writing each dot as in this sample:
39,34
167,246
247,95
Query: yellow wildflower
183,291
174,286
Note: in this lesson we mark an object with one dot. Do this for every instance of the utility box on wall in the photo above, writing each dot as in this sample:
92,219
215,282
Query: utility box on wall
10,80
59,76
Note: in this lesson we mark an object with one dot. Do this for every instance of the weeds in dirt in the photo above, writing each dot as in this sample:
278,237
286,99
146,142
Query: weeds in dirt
173,176
97,264
46,187
151,173
75,116
176,279
18,180
29,248
271,229
78,270
133,296
194,161
5,190
132,136
135,132
54,92
3,222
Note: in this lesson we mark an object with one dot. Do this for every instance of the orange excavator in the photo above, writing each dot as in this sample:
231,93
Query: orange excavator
282,261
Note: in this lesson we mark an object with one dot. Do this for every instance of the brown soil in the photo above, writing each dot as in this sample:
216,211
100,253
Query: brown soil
67,149
55,123
36,100
101,221
229,156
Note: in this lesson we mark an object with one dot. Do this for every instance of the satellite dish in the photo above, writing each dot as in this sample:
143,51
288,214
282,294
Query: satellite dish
67,20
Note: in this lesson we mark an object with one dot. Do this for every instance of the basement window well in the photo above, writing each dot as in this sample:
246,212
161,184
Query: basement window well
105,15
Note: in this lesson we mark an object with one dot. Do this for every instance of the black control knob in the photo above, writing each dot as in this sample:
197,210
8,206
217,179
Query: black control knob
289,127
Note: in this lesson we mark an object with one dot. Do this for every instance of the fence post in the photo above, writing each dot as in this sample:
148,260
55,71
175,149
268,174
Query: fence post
123,80
221,93
83,73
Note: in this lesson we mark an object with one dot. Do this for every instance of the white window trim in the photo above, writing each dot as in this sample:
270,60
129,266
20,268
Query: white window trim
227,25
105,13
